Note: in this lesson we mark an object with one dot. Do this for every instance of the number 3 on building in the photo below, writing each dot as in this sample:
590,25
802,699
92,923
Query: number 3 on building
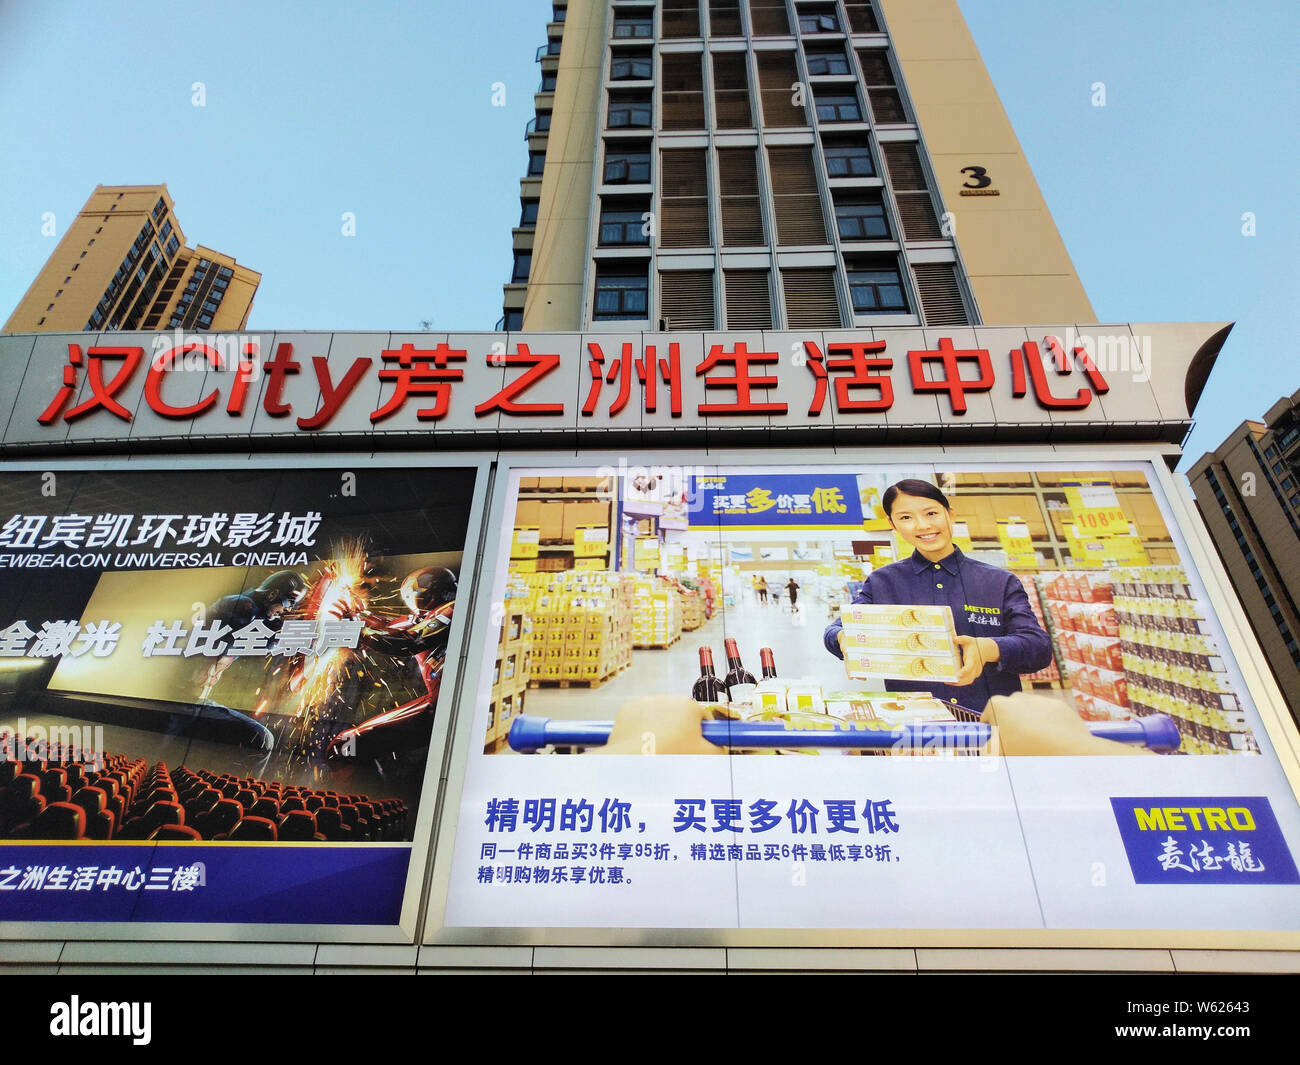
979,177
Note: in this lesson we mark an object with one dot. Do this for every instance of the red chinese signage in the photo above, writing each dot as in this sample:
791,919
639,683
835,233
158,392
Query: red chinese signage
853,377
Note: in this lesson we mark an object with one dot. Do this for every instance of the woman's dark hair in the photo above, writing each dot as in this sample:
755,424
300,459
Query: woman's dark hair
912,487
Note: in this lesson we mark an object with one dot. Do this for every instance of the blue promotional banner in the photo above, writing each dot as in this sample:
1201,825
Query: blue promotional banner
1204,840
269,884
819,501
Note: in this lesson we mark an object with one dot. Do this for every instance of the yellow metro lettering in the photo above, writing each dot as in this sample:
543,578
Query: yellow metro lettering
1148,820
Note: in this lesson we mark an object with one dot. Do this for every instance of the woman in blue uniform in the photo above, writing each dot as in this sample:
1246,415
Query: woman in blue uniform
997,633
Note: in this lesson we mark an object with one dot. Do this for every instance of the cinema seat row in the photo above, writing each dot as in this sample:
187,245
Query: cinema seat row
126,800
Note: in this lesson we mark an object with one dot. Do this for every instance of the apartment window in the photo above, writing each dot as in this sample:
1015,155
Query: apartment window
849,160
1269,451
536,163
621,294
796,201
1286,484
861,220
742,218
523,262
682,92
528,215
159,209
1295,500
767,18
42,322
833,61
776,73
939,292
541,122
623,222
748,299
724,18
862,18
681,18
876,288
683,199
627,26
731,91
165,232
1277,467
810,299
205,320
513,320
819,21
686,299
916,211
101,228
838,107
626,112
627,166
548,82
882,89
628,67
558,12
58,294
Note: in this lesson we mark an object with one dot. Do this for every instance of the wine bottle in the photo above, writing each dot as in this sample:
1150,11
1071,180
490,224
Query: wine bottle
708,688
767,662
736,673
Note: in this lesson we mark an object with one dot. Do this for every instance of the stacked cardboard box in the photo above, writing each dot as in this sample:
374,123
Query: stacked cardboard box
657,614
582,625
692,610
511,669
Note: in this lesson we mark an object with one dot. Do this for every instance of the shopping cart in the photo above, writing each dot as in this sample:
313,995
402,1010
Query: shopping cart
530,734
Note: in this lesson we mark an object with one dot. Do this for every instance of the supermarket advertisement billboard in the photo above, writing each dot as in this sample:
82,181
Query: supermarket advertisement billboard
217,689
1127,783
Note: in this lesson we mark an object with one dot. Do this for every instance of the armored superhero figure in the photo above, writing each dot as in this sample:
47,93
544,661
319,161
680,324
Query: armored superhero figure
430,597
276,596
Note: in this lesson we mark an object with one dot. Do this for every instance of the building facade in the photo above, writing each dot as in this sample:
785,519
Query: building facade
1248,492
759,165
711,185
123,264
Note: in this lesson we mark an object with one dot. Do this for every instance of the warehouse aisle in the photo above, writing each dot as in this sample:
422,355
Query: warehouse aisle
797,647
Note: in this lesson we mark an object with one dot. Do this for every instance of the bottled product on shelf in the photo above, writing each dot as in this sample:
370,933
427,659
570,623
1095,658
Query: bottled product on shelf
709,688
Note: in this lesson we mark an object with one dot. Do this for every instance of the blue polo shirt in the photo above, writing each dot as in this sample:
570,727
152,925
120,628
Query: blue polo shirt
985,601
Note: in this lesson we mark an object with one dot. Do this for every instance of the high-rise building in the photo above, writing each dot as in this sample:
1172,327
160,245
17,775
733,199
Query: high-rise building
1248,492
747,164
123,264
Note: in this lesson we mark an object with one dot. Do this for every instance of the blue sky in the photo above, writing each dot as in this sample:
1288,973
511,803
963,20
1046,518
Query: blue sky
385,110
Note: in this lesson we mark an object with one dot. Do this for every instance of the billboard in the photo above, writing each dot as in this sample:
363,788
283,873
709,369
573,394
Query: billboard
217,689
1002,700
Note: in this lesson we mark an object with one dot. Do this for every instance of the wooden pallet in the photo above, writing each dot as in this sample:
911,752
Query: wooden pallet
569,682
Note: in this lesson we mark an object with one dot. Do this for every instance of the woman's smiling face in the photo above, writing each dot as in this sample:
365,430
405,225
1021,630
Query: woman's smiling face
923,523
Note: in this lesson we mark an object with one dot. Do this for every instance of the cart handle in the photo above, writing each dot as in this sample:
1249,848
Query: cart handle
529,734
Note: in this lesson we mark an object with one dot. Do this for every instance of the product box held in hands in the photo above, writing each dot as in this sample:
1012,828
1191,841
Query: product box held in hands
868,663
873,616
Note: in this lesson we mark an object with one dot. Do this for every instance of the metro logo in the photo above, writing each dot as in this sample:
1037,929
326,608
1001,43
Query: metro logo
1217,839
1194,818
